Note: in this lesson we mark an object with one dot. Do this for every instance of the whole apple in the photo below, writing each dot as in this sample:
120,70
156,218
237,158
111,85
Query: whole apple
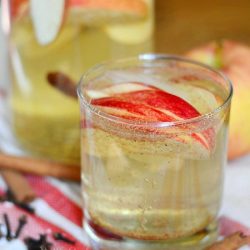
233,59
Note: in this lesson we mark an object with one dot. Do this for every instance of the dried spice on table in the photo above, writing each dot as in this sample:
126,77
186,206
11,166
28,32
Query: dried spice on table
8,227
60,237
38,244
40,167
18,185
9,197
232,242
32,244
22,221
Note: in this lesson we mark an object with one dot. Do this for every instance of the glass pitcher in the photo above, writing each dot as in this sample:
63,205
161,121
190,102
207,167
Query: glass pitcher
65,37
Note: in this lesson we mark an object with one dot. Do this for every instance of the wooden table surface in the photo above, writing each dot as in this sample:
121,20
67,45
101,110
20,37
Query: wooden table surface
183,24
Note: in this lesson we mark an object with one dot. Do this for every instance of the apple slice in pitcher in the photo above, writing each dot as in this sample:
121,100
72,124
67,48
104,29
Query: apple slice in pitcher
18,8
145,103
47,18
92,12
132,33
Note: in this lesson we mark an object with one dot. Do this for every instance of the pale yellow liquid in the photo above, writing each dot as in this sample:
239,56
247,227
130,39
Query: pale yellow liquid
155,189
45,121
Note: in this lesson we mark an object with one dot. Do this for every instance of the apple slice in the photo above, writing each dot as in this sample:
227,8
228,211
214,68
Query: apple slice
150,104
116,89
47,17
106,11
171,107
191,88
133,33
18,8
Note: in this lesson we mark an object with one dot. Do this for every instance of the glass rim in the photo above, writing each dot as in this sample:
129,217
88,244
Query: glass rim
151,57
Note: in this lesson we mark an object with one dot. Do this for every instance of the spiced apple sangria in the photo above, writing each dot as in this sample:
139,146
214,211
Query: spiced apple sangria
154,143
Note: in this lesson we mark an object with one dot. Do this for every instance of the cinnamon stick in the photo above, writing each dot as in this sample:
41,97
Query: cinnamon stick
18,185
39,167
232,242
63,83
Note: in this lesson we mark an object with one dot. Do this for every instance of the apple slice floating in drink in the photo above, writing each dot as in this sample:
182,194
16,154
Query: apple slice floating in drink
146,103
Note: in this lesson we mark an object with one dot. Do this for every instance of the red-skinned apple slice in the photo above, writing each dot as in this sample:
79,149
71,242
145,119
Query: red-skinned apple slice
136,6
105,10
173,107
150,104
18,7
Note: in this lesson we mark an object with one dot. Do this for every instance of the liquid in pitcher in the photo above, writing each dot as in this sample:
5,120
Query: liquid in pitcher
45,121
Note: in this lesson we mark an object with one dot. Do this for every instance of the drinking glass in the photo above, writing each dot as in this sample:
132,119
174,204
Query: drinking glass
147,183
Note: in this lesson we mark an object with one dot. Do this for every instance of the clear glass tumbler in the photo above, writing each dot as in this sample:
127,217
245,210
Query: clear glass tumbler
153,148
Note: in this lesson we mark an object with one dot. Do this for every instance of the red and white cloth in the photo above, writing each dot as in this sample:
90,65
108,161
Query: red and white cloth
58,208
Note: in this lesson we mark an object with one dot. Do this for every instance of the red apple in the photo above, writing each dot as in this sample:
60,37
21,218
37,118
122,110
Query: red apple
140,102
233,59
